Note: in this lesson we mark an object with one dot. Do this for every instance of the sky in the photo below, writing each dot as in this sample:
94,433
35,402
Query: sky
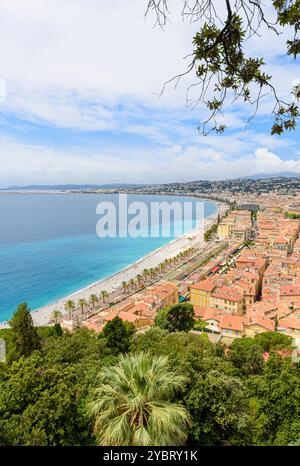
80,85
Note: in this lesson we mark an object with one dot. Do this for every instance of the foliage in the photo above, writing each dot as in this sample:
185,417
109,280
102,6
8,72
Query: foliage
217,405
39,404
292,216
200,325
189,353
74,347
118,335
134,403
278,395
176,318
210,232
57,330
231,398
25,338
273,340
246,355
225,73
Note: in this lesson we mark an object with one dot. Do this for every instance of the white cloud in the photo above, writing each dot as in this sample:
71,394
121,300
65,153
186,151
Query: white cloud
55,55
268,162
27,164
97,65
99,49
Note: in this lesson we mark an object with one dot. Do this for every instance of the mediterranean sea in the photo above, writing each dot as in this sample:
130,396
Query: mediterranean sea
49,247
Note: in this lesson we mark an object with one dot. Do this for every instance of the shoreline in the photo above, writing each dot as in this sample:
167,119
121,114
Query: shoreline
113,283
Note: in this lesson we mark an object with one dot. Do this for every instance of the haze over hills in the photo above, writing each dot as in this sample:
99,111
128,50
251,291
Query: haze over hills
59,187
69,187
261,176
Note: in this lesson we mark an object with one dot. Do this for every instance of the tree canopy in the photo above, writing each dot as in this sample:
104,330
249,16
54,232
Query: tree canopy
71,389
118,334
246,355
25,338
176,318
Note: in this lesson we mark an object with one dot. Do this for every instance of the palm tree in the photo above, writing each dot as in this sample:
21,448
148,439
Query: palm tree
139,278
82,303
134,403
93,299
124,284
104,295
70,308
56,315
132,283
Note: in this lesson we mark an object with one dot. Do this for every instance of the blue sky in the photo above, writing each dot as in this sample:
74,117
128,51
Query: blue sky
81,104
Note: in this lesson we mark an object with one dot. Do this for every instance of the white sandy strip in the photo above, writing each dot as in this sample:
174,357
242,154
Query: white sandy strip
113,283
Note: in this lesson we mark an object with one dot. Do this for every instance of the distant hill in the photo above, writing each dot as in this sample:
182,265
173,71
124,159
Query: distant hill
69,187
262,176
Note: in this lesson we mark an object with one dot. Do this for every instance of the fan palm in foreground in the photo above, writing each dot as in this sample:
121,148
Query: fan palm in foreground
134,403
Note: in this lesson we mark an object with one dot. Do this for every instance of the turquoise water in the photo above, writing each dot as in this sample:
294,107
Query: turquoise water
49,247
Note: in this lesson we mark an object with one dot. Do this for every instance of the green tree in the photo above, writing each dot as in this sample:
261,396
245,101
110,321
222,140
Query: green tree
176,318
25,338
132,283
118,334
45,408
217,405
58,331
219,61
139,279
278,395
75,348
134,403
246,355
70,308
190,353
210,232
93,300
82,303
288,434
56,315
273,340
104,294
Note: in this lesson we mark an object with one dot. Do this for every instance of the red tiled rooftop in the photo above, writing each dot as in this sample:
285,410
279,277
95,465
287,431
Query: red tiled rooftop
226,292
205,285
268,324
290,323
232,322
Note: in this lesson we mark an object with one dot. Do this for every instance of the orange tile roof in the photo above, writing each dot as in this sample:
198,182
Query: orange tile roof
205,285
199,311
212,314
290,323
268,324
290,290
232,322
96,326
225,292
107,315
129,317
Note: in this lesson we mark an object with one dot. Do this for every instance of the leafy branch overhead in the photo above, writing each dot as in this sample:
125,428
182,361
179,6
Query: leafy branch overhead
224,73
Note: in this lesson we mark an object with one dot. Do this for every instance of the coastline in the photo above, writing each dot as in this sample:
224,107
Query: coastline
112,283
